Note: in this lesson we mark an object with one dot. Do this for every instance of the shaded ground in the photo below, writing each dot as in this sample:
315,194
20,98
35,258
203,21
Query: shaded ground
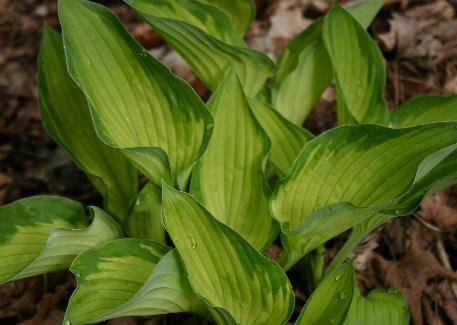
416,254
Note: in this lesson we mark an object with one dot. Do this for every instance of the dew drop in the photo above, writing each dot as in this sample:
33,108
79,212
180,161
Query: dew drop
193,243
343,295
337,278
209,126
143,52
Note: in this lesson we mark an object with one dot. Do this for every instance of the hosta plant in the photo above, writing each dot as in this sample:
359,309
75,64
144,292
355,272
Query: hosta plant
226,177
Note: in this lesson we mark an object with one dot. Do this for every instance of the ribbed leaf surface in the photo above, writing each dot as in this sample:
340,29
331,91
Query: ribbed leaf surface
287,139
329,303
136,103
109,276
144,221
241,12
239,284
358,67
204,16
379,307
425,109
361,170
65,116
305,69
42,234
210,58
229,178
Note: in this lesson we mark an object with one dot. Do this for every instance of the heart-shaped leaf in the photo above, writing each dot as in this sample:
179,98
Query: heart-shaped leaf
379,307
210,58
137,105
329,303
109,276
239,284
305,69
42,234
287,139
65,116
204,16
358,66
425,109
229,178
241,12
361,170
144,221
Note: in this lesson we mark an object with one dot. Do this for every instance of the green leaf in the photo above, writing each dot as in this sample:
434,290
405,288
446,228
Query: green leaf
237,282
361,170
358,66
287,139
425,109
65,116
305,69
136,103
329,303
204,16
42,234
229,179
379,307
167,290
109,276
210,58
144,221
241,12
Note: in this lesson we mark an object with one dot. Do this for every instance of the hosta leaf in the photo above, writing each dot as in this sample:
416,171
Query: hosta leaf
425,109
287,139
379,307
210,58
144,221
41,234
329,303
206,17
370,168
136,103
305,69
109,276
65,116
229,178
321,226
167,290
235,279
241,12
358,66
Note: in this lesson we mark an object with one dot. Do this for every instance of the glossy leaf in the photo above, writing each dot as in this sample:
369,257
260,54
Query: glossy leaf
287,139
42,234
425,109
379,307
358,67
144,221
329,303
206,17
305,69
365,169
241,12
239,284
65,116
136,103
109,276
229,178
167,290
210,58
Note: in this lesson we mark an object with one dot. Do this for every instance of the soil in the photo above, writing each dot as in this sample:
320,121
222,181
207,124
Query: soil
416,254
